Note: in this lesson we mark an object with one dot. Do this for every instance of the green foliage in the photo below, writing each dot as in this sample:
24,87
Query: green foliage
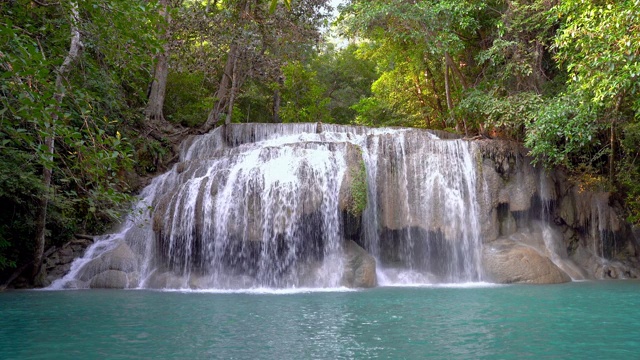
19,191
347,78
518,59
99,94
255,103
598,44
564,133
303,95
417,45
629,170
507,115
188,98
373,111
150,155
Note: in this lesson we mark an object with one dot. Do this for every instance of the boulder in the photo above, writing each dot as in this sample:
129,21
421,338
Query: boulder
120,258
507,262
110,279
359,268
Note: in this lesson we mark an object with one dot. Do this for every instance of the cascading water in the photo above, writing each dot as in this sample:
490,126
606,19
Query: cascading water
424,209
259,205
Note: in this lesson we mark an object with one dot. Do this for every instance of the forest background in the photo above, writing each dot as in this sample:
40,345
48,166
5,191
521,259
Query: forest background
96,95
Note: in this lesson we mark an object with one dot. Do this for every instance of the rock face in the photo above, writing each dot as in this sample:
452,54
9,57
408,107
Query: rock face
360,267
59,262
580,230
509,262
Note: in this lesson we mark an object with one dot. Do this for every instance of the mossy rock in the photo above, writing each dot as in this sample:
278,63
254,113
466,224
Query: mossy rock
353,190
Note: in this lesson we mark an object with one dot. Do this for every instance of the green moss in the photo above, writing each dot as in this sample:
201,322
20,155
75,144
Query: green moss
358,190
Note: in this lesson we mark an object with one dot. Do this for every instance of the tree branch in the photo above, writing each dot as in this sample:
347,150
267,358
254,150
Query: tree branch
45,4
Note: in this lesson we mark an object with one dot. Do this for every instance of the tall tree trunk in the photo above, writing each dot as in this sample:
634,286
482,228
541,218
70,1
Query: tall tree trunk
154,110
428,76
49,141
613,139
277,100
612,156
421,99
276,106
447,91
155,105
234,89
224,87
451,66
456,70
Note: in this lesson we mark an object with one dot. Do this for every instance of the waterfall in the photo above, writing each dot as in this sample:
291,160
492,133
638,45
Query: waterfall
260,205
425,209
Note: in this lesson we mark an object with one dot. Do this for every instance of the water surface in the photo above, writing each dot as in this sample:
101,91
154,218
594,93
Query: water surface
576,320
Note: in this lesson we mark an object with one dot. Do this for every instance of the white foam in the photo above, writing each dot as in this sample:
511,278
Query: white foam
466,285
260,291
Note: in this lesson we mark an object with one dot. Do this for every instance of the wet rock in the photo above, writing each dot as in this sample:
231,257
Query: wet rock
58,264
75,284
120,258
165,280
360,267
110,279
508,262
567,211
354,162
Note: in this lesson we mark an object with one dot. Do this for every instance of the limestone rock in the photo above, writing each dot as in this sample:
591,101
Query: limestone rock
120,258
360,267
59,262
567,210
110,279
354,161
508,262
166,280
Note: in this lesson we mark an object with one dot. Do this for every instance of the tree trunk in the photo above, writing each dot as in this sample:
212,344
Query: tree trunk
234,89
43,203
421,99
451,66
49,141
447,91
613,139
456,71
428,76
612,156
276,106
155,105
222,94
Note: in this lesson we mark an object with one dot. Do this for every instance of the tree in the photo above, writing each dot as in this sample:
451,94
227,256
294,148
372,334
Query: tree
428,35
597,45
157,92
250,40
49,141
303,96
64,76
347,78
